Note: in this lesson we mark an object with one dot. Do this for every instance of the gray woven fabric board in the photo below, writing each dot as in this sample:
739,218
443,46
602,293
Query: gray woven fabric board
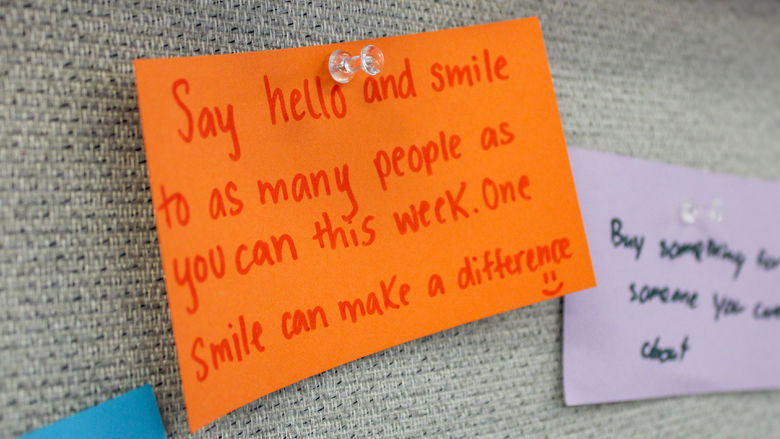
83,312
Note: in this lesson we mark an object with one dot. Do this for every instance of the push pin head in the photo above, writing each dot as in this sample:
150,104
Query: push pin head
716,213
342,66
688,212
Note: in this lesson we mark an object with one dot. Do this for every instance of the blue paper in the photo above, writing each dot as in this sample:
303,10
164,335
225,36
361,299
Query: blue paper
132,415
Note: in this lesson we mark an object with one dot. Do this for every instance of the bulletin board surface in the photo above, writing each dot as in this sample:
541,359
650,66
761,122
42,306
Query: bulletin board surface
83,311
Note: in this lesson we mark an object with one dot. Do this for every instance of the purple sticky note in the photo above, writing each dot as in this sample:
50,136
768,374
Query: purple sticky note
688,270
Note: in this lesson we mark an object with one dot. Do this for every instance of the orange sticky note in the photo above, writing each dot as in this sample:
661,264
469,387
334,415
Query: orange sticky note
304,224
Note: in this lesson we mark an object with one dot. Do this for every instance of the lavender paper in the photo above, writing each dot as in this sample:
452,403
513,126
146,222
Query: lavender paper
716,326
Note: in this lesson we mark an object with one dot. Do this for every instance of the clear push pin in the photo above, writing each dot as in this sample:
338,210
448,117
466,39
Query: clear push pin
342,66
716,213
689,211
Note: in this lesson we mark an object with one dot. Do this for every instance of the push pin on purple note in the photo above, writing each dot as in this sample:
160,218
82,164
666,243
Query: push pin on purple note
343,66
689,211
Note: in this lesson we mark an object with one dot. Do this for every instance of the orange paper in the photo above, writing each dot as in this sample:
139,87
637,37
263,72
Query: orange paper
304,224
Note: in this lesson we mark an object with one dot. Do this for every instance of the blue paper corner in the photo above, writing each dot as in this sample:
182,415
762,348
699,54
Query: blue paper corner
131,415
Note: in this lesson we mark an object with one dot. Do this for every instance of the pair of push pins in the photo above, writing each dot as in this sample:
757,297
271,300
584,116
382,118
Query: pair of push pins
689,211
342,65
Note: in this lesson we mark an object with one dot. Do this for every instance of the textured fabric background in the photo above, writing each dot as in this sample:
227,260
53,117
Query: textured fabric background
83,312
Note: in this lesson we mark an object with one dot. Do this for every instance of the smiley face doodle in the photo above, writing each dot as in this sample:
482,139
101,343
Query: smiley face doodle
550,279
